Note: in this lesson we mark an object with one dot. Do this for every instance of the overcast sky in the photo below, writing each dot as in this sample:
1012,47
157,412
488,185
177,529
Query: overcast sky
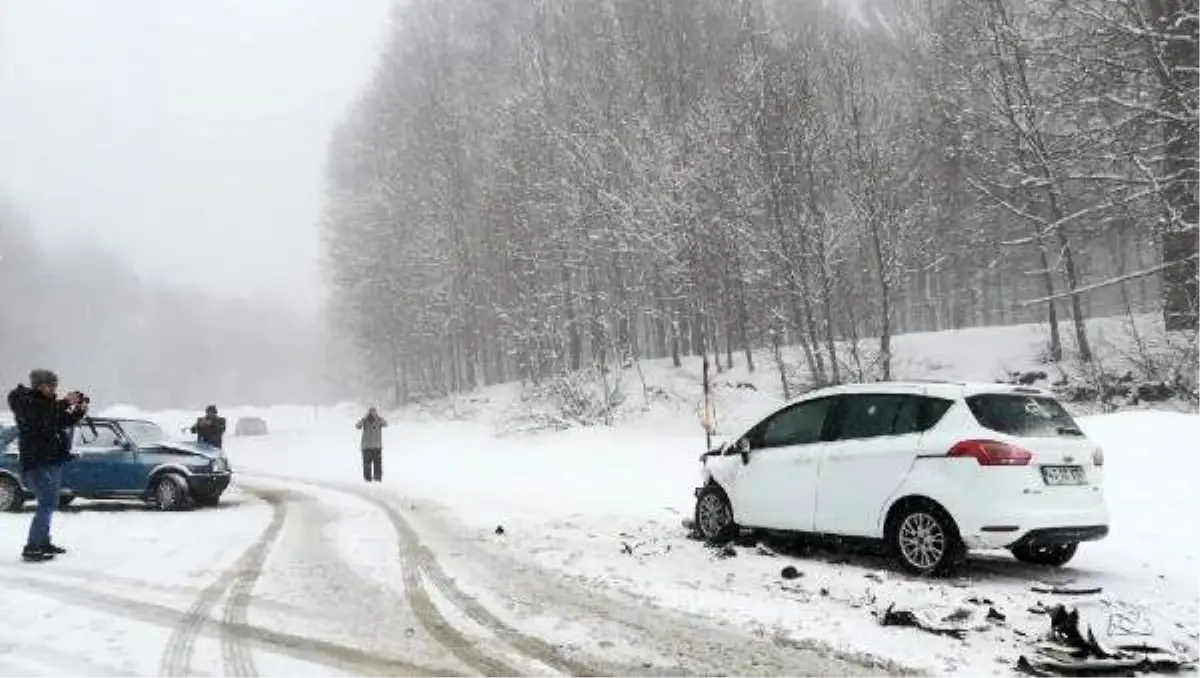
188,135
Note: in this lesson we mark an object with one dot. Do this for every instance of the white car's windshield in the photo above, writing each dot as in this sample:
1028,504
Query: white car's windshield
143,433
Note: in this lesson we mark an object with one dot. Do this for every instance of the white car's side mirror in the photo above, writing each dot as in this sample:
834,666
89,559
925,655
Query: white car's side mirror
742,447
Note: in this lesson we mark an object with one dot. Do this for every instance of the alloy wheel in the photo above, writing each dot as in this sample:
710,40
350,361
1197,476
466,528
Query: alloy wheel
922,540
167,493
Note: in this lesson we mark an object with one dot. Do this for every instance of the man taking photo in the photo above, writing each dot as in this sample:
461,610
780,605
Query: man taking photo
372,445
44,424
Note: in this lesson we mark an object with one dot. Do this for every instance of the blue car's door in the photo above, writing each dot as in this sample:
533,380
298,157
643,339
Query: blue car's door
7,435
102,465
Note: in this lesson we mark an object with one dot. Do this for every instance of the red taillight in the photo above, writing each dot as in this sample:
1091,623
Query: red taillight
991,453
1098,457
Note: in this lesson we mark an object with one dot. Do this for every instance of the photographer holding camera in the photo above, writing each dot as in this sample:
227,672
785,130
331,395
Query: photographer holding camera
372,445
44,424
209,429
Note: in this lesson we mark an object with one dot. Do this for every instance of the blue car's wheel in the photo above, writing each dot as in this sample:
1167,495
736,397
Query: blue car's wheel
171,493
11,496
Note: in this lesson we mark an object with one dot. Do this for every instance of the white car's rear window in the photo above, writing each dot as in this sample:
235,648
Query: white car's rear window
1023,415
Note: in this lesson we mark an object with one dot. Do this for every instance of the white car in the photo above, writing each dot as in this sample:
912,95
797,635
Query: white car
931,469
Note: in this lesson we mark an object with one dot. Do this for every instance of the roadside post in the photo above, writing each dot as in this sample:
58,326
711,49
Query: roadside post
708,412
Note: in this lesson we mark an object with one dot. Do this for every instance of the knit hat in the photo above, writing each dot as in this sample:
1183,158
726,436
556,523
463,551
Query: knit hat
42,378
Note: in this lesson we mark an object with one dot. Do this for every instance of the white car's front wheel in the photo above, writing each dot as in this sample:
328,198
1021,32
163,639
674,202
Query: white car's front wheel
714,515
925,540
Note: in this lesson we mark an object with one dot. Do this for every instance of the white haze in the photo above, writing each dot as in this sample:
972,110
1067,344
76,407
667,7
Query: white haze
160,180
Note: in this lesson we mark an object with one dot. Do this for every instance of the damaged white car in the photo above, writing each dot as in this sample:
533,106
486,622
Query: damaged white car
930,469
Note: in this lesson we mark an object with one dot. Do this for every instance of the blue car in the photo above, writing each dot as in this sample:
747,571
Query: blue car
125,459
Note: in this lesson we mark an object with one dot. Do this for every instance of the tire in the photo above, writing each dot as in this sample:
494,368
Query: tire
1053,555
65,500
924,540
714,516
12,497
171,493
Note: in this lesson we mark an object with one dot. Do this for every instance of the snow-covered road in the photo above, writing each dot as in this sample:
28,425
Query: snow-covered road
306,570
296,578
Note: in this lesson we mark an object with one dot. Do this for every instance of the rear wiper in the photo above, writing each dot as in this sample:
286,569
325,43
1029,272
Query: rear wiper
1069,431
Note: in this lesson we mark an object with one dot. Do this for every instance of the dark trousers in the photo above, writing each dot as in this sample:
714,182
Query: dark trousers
44,481
372,465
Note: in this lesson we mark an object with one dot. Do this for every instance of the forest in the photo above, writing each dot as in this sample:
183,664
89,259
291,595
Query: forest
527,188
124,338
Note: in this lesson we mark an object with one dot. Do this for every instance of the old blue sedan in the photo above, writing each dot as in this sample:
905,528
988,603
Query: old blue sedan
126,459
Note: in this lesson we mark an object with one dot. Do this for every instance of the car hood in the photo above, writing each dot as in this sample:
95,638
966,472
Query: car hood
182,447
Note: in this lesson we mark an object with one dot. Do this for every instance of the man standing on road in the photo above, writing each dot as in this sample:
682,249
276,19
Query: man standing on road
210,428
372,445
44,426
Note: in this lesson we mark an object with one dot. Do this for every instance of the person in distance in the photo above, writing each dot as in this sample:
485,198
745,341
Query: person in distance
210,428
372,426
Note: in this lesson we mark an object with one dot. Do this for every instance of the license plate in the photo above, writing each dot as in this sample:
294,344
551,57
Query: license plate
1064,475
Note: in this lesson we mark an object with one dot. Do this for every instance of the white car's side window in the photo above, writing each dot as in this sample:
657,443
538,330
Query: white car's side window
874,415
800,424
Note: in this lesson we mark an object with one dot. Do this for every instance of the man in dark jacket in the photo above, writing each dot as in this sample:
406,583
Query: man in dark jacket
210,428
44,423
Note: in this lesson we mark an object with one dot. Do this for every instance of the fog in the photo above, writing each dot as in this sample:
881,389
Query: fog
160,182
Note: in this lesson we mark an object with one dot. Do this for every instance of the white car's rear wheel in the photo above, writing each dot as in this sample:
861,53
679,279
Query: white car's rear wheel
714,515
925,540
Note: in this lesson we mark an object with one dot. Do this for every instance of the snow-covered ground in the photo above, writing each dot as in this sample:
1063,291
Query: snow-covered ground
604,506
592,559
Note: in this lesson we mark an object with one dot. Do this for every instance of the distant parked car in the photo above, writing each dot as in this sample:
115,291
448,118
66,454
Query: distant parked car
930,469
250,426
128,459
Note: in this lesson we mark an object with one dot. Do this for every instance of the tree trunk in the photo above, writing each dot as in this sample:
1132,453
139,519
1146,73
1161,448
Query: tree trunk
783,382
885,299
1051,306
1177,19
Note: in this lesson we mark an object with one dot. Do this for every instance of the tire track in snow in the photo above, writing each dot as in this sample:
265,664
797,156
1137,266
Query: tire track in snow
423,561
54,571
415,595
694,645
416,559
235,655
177,655
360,600
313,650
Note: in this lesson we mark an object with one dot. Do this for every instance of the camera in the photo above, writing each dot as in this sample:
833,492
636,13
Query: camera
82,397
